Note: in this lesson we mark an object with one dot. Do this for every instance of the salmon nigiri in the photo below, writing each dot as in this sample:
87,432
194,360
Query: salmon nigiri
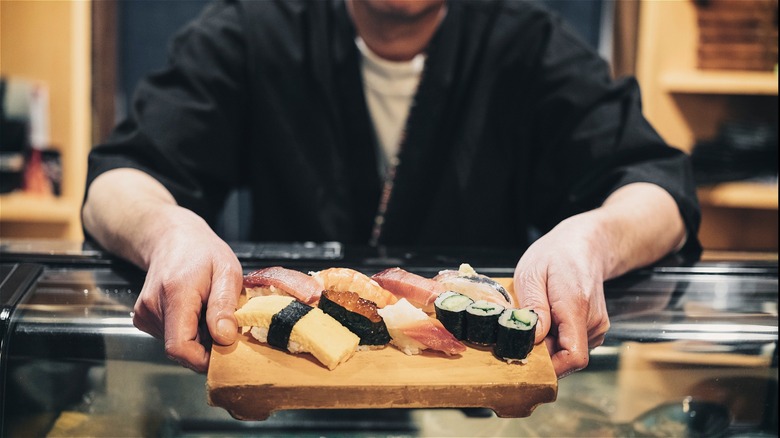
412,330
418,290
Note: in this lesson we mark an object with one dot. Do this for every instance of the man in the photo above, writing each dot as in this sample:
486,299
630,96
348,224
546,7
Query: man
395,123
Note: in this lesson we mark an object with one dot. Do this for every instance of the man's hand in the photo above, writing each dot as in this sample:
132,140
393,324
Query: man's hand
189,270
561,275
188,266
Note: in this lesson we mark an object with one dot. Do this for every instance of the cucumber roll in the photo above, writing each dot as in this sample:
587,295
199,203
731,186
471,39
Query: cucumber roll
451,311
515,335
482,321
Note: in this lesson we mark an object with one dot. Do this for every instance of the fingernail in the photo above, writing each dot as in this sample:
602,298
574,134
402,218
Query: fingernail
226,328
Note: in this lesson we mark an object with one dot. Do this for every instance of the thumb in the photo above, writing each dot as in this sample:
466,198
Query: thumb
221,308
531,292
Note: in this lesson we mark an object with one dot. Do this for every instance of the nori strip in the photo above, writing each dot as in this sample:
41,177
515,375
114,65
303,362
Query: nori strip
282,323
345,307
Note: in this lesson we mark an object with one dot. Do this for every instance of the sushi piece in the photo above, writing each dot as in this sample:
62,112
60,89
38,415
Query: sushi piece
287,324
345,279
482,322
515,335
418,290
450,309
475,286
277,280
412,330
358,315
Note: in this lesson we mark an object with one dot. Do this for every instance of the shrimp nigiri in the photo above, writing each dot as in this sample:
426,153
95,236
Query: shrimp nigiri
345,279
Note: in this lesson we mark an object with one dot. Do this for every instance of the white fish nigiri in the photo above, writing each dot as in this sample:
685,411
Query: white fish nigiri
412,330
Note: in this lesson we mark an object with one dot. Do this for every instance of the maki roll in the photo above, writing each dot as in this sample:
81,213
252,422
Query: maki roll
358,315
515,334
481,322
450,309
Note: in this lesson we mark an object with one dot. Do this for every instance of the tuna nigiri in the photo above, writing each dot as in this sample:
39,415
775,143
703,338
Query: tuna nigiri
467,281
412,330
345,279
418,290
277,280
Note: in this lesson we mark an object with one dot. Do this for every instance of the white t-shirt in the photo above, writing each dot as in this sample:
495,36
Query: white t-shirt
389,87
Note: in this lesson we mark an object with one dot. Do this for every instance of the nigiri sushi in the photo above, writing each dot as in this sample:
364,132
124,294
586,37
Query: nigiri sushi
476,286
418,290
345,279
358,315
277,280
290,325
412,330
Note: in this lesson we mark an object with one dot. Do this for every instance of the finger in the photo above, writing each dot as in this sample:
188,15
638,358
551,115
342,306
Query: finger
190,354
597,335
145,319
181,334
570,347
222,303
531,292
145,324
595,341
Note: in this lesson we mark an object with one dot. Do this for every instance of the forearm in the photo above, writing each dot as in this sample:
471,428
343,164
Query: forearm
147,211
639,224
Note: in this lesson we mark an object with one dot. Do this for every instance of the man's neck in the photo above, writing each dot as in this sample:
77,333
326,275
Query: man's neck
395,36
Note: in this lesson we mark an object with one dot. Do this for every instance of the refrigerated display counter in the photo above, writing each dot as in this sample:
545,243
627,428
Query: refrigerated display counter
692,351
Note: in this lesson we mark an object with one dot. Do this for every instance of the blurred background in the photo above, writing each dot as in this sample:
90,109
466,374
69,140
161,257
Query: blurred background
708,71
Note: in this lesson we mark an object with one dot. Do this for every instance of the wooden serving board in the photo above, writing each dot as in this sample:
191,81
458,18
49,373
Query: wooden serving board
251,380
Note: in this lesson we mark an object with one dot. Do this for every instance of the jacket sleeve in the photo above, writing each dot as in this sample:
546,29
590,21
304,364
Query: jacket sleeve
592,138
188,122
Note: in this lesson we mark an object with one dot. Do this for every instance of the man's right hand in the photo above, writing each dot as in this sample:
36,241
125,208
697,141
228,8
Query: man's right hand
189,268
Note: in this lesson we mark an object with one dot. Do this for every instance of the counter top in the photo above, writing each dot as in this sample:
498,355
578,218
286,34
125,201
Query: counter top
678,329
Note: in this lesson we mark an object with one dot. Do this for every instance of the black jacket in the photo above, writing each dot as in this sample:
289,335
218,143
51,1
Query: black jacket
516,125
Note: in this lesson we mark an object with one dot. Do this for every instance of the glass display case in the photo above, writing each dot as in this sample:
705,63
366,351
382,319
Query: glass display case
692,351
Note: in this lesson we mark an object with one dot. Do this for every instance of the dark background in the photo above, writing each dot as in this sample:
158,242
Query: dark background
145,27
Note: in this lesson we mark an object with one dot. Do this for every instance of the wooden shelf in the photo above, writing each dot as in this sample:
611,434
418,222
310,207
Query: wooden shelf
49,42
22,207
719,82
740,195
687,105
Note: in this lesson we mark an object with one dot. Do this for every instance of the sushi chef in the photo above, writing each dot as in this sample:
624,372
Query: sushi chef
388,122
